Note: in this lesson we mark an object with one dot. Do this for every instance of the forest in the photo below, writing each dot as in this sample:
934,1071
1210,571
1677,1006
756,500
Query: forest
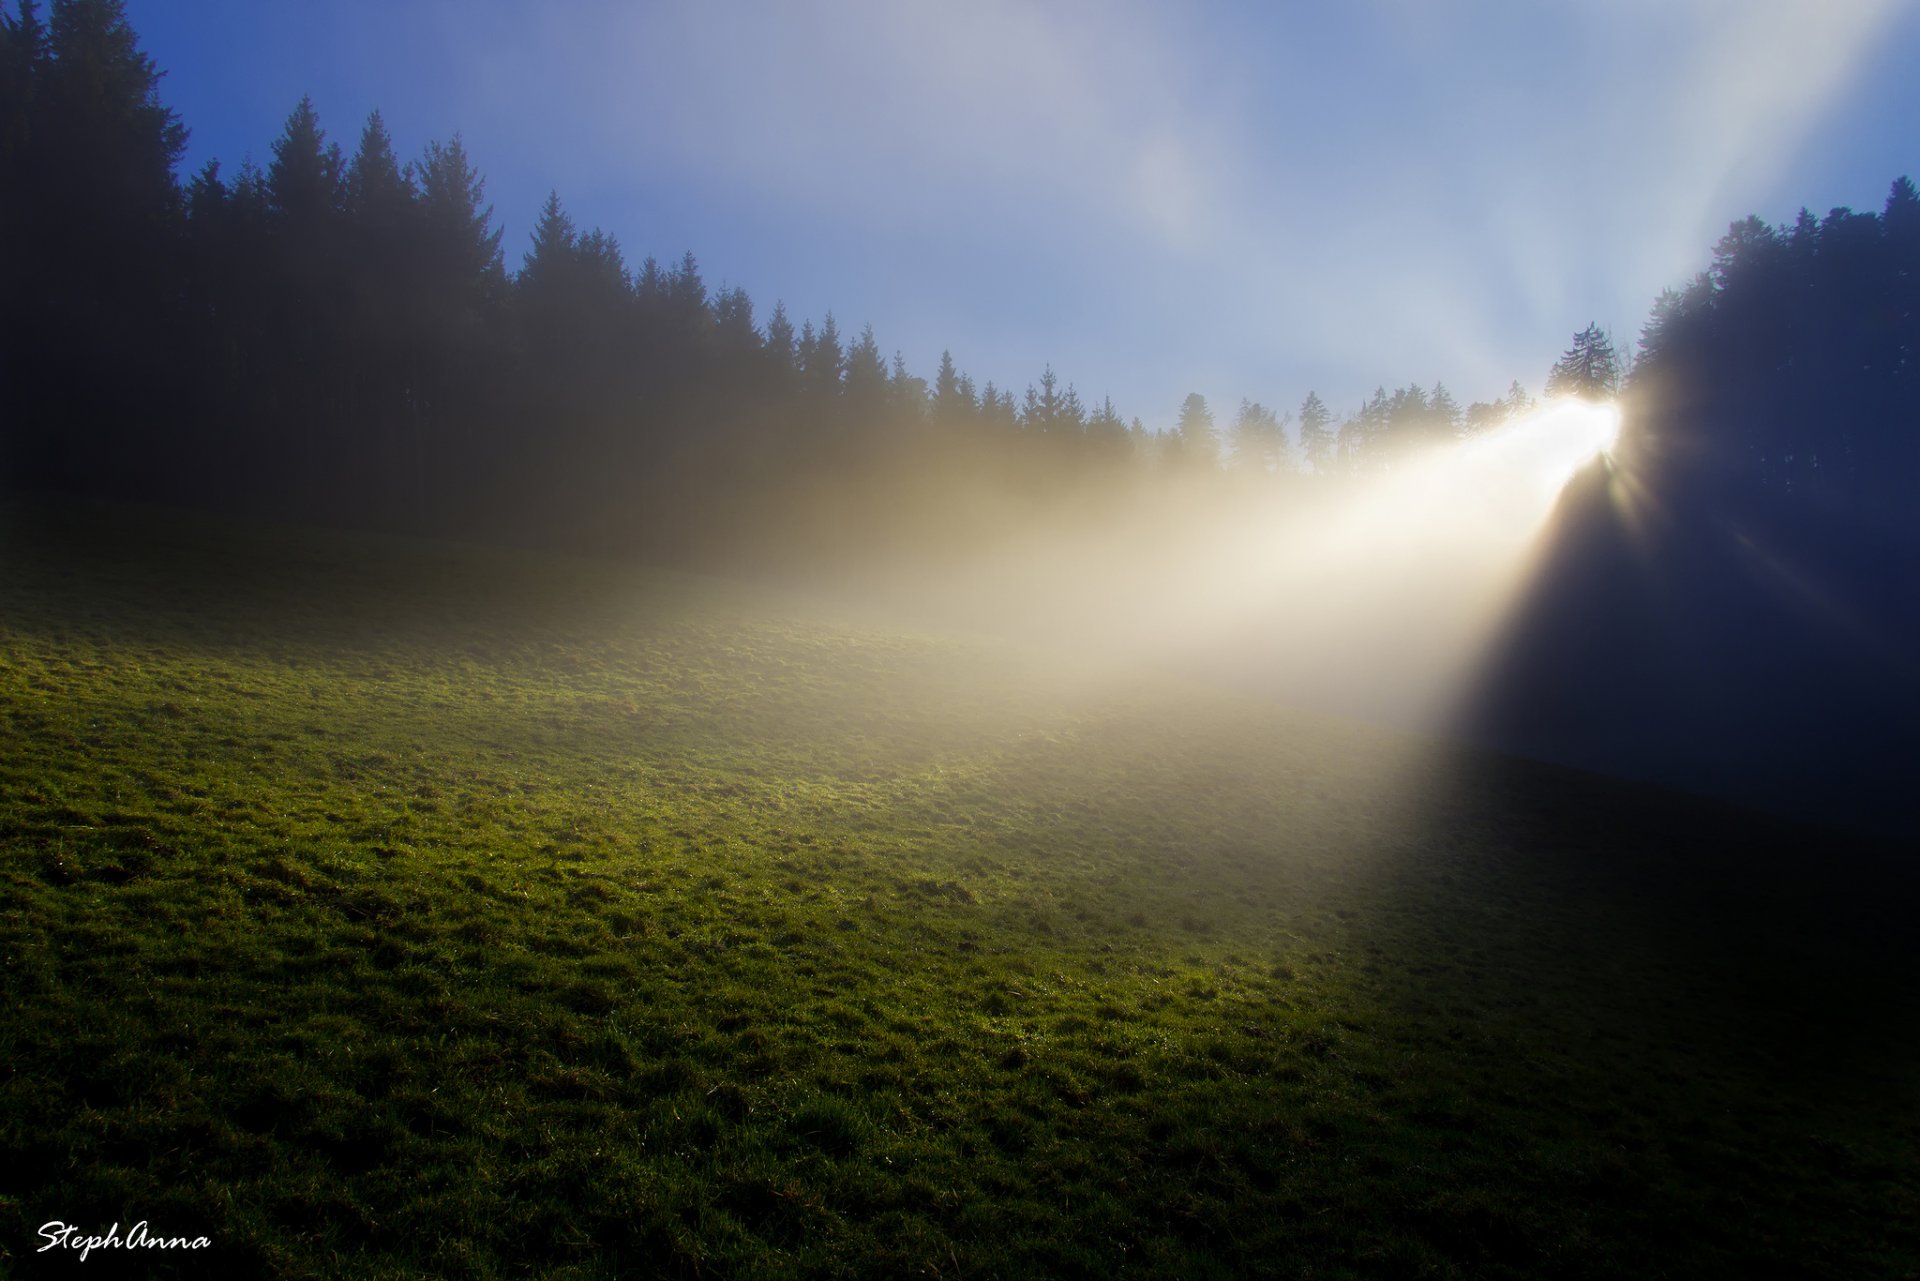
516,761
343,338
343,334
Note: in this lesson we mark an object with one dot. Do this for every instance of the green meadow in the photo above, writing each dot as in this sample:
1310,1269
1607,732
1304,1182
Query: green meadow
381,908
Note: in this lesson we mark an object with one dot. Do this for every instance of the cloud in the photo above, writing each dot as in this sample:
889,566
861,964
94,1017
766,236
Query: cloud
1324,190
876,112
1766,73
1504,179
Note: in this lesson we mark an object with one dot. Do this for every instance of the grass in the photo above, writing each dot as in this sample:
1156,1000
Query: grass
391,909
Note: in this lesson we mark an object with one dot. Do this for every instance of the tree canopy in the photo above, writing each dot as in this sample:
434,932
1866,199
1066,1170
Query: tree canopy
1590,369
340,336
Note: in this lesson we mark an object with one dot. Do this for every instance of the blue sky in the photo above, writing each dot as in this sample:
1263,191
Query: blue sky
1242,200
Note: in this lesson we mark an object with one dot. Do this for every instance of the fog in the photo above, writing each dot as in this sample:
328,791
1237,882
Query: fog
1372,595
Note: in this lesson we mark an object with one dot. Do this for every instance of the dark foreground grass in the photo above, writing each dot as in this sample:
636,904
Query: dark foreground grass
388,909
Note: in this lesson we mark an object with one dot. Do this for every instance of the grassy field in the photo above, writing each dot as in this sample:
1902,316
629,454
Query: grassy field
394,909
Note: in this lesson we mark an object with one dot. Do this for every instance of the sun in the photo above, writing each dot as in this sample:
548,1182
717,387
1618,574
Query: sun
1553,442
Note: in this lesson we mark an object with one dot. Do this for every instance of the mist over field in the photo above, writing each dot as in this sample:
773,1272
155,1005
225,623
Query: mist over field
1343,703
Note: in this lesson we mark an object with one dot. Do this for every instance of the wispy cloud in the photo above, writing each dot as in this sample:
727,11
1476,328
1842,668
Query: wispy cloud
1265,198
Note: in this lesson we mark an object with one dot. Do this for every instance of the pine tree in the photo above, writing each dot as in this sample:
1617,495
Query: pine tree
106,142
1258,444
575,302
603,271
952,403
312,306
1106,424
650,292
1071,420
1408,421
906,393
1589,370
462,241
806,353
997,409
464,332
90,231
733,321
23,56
866,371
779,346
686,298
544,269
304,179
1517,401
1316,434
1900,232
1363,436
378,190
1443,414
1194,435
1044,411
821,359
383,240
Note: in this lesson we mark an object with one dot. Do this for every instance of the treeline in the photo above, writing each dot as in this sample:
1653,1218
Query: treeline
1732,608
338,335
1789,373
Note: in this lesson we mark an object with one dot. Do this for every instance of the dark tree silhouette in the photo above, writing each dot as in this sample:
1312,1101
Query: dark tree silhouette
953,403
1196,443
338,338
780,342
90,225
1732,607
863,408
1590,369
1047,410
822,362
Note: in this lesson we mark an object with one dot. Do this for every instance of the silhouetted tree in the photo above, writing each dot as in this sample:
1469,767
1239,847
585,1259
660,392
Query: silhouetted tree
733,322
1106,429
1589,369
1259,445
821,359
1444,415
997,411
952,399
305,178
1194,436
865,385
90,224
907,394
1073,414
346,333
779,346
1049,411
1316,434
686,297
23,51
1774,436
461,365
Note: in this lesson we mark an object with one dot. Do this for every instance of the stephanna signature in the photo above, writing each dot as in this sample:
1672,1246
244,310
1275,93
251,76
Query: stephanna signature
137,1237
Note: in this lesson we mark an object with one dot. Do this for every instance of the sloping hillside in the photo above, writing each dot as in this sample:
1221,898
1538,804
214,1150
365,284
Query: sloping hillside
382,908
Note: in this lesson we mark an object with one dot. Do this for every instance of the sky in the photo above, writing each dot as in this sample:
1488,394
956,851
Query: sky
1244,200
